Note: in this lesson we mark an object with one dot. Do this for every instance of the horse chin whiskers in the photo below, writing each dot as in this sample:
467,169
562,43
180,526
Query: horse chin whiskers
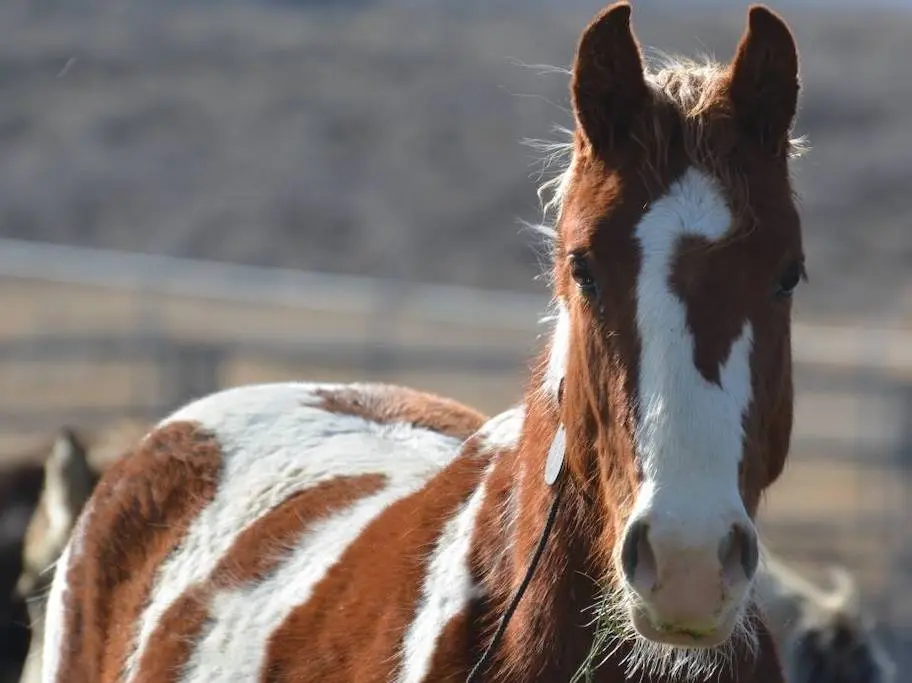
614,631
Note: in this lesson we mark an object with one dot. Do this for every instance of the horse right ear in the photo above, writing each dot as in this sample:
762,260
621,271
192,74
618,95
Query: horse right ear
608,87
764,81
68,449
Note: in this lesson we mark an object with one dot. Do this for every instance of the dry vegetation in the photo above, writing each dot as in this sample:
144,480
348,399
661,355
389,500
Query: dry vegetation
385,138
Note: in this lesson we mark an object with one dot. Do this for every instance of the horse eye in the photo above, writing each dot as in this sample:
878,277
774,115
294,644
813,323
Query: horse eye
789,280
579,271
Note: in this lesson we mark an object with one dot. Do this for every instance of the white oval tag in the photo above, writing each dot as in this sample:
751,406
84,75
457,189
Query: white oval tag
555,461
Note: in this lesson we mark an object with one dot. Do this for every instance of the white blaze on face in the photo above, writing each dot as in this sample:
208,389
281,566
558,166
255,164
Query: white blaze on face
690,436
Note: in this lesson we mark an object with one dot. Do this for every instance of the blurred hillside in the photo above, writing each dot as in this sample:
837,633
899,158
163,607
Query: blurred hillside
384,137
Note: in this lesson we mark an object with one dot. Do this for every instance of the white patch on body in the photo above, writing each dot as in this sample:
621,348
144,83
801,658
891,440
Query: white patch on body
689,437
275,440
234,644
447,590
503,430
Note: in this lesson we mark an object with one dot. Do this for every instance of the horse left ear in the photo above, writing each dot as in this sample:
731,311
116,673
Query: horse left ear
764,83
608,88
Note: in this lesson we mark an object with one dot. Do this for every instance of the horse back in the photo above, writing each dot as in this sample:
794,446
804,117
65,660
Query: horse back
262,523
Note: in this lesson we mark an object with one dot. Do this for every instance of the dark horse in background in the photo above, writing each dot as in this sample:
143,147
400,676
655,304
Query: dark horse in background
20,488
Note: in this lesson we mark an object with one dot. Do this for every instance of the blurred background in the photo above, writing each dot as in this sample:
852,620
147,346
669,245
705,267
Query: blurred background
203,193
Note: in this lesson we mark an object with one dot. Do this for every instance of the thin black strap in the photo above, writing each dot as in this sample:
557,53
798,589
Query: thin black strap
477,670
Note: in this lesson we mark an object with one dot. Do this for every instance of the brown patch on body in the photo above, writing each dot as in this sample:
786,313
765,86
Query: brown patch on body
386,403
258,550
352,626
140,511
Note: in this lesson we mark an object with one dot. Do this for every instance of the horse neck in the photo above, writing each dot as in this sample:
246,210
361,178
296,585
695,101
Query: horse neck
551,631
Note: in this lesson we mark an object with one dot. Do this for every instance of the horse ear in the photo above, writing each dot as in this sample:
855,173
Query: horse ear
608,88
66,472
764,79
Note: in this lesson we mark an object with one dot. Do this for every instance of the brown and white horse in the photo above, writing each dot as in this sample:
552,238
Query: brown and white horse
304,532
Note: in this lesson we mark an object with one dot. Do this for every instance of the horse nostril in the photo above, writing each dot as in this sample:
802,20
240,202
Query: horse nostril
750,553
739,551
630,552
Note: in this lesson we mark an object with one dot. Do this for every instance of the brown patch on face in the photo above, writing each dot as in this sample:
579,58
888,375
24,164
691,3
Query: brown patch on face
258,550
727,284
353,625
384,404
711,289
140,511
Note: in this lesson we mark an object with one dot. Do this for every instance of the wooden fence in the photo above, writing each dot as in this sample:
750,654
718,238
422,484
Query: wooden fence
92,337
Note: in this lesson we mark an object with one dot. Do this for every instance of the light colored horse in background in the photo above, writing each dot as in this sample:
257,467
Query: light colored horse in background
824,636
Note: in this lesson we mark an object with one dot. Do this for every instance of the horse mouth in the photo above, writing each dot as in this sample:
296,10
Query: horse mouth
704,635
